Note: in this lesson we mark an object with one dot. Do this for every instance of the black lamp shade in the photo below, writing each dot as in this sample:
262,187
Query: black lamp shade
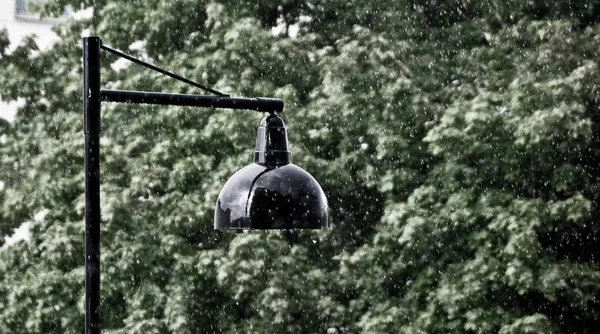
271,193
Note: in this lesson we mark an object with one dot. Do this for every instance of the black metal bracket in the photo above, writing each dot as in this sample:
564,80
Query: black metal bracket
221,100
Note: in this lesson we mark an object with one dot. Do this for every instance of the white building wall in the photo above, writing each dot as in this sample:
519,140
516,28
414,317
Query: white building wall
18,27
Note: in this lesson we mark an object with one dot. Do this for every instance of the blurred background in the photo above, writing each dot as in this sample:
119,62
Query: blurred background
458,143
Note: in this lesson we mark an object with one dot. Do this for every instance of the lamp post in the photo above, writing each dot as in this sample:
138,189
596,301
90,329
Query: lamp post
270,193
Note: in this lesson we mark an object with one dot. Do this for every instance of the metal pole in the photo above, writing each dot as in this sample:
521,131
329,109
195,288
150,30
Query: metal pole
91,125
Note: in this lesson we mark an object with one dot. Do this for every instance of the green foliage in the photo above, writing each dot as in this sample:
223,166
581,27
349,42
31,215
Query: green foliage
458,143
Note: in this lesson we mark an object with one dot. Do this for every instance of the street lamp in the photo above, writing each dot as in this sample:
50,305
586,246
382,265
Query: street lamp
270,193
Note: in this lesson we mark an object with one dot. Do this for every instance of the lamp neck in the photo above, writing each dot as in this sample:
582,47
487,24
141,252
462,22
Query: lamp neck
271,142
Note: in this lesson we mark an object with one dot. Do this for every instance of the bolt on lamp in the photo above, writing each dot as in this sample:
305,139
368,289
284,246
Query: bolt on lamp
270,193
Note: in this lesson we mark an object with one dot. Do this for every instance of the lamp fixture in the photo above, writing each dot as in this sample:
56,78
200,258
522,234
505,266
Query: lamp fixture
271,193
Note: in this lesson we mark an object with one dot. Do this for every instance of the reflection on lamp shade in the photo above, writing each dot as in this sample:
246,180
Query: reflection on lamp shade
271,193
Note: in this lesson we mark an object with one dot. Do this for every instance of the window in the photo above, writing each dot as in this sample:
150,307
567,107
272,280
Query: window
24,10
21,7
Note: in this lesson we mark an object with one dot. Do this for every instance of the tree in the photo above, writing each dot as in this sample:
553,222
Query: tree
499,237
457,143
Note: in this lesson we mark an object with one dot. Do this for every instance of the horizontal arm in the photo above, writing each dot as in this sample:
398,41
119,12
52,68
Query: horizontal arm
258,104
